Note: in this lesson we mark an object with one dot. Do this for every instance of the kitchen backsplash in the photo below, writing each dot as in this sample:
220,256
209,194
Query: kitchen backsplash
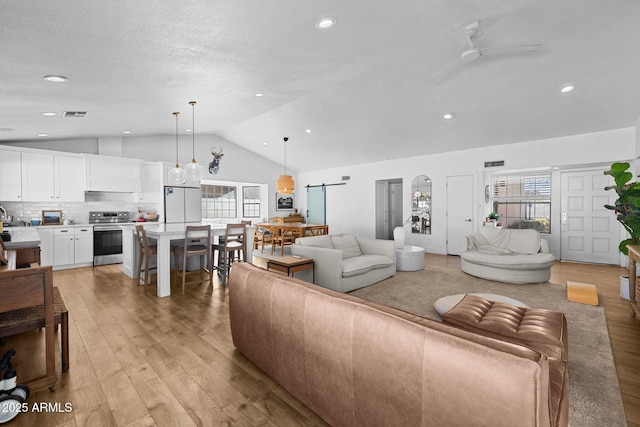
79,212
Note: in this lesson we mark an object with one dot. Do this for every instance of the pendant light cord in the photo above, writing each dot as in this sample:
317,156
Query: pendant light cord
285,154
176,114
193,131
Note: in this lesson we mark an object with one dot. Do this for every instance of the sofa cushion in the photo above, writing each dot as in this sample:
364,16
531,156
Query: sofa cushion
538,261
348,244
520,241
363,263
317,241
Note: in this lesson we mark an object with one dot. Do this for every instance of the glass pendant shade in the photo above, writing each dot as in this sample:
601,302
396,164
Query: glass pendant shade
193,169
176,175
285,184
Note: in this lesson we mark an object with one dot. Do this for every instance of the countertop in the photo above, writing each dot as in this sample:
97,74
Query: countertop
22,237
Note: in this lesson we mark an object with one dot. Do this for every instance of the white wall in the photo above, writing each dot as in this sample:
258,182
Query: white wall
351,207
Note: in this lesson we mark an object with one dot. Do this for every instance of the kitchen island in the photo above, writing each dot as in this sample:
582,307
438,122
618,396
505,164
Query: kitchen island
164,234
26,242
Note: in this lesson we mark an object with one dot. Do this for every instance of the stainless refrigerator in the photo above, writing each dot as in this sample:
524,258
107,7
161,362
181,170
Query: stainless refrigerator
182,204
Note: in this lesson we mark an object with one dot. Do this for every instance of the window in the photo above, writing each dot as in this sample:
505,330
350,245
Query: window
523,201
251,202
219,201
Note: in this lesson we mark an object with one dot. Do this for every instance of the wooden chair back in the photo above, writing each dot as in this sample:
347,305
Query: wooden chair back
29,287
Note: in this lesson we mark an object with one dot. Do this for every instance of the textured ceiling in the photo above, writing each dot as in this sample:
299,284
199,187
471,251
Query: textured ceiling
362,87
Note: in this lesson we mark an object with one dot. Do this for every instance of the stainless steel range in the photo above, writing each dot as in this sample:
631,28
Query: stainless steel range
107,236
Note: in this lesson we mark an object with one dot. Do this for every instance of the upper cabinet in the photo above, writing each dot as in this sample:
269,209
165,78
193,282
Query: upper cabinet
49,177
106,173
10,176
150,182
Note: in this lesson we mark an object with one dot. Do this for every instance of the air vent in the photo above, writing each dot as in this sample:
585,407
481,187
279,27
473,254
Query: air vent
74,114
346,177
494,164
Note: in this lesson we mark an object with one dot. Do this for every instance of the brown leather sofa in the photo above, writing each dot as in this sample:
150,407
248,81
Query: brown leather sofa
358,363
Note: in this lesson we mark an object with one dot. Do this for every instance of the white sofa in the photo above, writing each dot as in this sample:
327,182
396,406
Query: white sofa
344,262
512,256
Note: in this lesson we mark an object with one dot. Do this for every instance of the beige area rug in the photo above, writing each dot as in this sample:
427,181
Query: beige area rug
594,393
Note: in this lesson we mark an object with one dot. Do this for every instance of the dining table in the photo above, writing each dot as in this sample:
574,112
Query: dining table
165,234
299,227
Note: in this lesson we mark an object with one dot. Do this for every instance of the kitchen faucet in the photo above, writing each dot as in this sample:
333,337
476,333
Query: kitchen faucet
4,212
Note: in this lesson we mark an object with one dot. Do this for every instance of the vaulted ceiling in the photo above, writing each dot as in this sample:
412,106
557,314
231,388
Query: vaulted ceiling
362,87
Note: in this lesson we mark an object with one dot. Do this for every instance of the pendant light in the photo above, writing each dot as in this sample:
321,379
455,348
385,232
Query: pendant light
285,184
193,169
176,175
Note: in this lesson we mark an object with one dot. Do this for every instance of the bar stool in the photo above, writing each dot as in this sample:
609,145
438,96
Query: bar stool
197,242
146,251
229,248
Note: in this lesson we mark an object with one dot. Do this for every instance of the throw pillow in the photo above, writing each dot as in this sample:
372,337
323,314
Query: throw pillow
348,244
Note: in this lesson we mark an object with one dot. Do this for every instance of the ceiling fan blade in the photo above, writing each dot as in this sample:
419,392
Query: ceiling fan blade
506,50
462,33
443,69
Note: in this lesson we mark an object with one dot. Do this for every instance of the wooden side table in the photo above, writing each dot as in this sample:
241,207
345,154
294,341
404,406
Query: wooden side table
291,264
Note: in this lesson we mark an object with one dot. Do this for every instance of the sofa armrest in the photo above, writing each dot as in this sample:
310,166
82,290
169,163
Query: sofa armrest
544,246
378,247
327,264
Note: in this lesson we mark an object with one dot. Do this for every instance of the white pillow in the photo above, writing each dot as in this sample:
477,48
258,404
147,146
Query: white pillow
348,244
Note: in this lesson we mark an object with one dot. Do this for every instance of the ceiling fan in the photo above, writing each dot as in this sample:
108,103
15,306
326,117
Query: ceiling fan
467,34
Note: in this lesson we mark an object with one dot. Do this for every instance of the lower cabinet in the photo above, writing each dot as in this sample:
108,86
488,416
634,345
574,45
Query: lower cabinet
72,247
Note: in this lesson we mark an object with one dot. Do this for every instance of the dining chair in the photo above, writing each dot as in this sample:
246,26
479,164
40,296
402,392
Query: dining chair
230,247
283,237
262,236
146,250
197,242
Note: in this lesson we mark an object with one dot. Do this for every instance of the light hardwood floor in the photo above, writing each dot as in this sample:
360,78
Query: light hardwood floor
138,360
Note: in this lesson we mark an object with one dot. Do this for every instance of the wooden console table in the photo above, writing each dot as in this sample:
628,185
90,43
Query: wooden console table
634,289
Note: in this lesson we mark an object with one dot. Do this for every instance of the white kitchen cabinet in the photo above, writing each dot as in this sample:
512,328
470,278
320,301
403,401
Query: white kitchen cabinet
10,176
47,177
72,247
116,174
150,182
68,174
46,245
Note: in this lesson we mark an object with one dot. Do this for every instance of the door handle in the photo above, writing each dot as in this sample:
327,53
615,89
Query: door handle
468,220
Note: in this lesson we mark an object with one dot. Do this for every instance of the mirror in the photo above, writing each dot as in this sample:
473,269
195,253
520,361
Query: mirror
421,205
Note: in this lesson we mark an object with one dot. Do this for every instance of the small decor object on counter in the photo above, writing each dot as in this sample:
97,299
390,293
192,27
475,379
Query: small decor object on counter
35,222
51,218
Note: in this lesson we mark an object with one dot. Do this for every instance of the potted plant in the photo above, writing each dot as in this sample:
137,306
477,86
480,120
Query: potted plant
626,209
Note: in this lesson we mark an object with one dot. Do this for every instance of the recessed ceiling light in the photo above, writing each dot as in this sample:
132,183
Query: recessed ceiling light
43,134
307,130
7,129
324,23
49,114
55,79
258,94
265,143
126,132
567,89
447,116
188,130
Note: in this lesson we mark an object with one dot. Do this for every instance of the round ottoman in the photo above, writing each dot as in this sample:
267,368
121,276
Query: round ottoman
444,304
409,258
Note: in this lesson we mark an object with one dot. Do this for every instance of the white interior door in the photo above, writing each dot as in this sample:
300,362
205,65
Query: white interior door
588,232
460,216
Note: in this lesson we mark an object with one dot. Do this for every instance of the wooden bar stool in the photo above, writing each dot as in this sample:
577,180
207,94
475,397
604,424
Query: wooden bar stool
229,248
146,251
197,242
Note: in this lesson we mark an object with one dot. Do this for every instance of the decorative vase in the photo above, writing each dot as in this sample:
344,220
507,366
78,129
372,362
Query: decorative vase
399,236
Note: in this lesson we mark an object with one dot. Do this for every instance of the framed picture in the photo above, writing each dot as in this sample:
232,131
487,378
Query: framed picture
51,217
285,202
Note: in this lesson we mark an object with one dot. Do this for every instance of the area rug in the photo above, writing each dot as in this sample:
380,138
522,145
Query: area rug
594,392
